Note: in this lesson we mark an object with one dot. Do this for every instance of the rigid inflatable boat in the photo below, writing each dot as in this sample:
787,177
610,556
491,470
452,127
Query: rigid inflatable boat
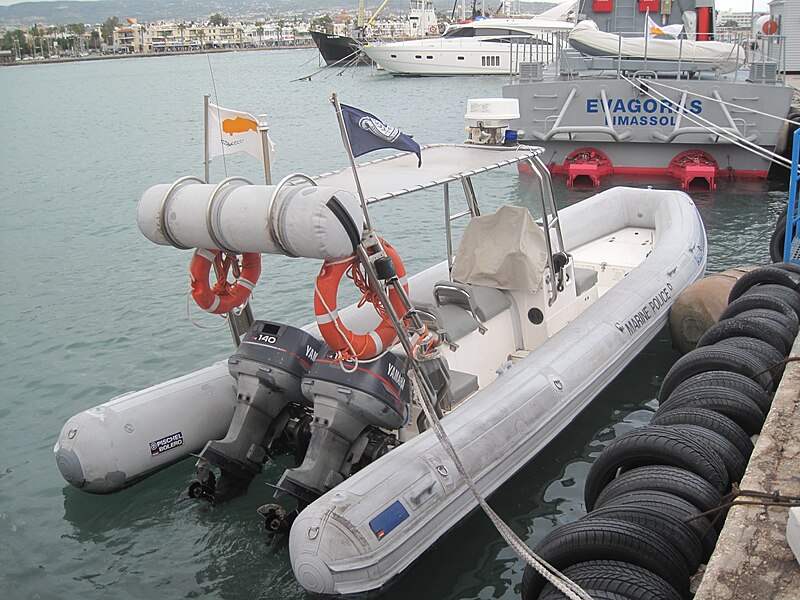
722,57
509,338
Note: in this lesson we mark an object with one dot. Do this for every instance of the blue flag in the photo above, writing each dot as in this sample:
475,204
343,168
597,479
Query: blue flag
367,133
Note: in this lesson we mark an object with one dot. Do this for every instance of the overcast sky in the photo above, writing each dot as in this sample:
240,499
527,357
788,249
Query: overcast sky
743,5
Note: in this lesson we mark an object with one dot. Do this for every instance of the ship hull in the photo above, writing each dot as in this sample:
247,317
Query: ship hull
339,49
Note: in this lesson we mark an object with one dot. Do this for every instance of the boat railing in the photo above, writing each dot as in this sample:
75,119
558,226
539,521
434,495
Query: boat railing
528,54
548,220
763,55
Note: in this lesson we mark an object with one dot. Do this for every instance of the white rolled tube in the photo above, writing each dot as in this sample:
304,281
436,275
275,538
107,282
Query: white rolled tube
241,218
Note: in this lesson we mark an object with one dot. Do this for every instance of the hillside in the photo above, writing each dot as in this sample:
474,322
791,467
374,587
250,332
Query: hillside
25,14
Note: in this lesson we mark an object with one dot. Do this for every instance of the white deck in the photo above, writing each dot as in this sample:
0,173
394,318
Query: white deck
621,252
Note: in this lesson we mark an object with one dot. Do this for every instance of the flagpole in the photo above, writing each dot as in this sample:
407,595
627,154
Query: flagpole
346,140
206,161
263,129
646,34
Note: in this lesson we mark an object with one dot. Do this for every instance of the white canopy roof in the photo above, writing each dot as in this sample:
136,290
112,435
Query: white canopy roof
441,163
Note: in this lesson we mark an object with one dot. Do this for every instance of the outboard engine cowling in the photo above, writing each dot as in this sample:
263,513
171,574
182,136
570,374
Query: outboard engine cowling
353,405
268,366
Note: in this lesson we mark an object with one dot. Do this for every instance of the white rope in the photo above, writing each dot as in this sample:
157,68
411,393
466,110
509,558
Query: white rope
745,108
712,127
335,322
200,325
565,585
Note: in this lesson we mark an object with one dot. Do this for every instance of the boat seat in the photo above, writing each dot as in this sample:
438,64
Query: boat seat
585,279
454,320
462,385
482,301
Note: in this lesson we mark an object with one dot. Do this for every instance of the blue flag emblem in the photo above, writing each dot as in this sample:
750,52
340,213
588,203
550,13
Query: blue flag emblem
367,132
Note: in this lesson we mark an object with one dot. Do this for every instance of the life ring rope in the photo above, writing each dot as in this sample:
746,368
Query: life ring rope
223,296
349,345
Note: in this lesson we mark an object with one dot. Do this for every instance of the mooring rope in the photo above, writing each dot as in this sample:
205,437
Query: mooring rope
709,126
565,585
731,104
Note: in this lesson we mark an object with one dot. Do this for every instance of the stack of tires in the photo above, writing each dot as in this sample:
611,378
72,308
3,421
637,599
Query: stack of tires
651,494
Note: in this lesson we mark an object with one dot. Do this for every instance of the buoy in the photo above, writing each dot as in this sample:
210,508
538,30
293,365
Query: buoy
700,305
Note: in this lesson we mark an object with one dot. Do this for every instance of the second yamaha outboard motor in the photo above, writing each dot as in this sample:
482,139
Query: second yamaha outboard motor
268,366
353,408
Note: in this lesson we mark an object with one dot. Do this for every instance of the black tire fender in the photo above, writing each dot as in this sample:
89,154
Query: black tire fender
778,239
612,576
770,356
713,358
734,405
753,300
741,326
735,463
668,527
730,381
679,508
764,275
597,539
791,297
653,445
712,420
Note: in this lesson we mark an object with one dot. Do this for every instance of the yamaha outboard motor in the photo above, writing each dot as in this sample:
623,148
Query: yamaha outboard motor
268,366
354,406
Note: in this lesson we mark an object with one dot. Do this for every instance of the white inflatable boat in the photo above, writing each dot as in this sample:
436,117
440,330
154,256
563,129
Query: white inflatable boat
722,57
511,336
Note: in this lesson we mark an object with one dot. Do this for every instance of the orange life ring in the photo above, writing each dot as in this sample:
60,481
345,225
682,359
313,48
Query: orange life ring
433,29
769,27
224,296
339,337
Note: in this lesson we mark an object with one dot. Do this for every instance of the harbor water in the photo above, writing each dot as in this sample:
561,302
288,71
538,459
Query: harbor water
90,309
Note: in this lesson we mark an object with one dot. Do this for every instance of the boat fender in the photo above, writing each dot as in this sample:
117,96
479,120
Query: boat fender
778,238
713,358
611,575
712,420
728,381
765,276
699,306
755,300
734,405
759,328
684,510
662,524
224,296
791,297
347,343
596,539
654,445
664,478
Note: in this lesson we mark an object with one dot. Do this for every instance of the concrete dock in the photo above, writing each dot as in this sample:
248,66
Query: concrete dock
752,560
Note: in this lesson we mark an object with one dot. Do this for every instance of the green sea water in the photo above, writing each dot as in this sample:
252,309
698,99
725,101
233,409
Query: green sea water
90,309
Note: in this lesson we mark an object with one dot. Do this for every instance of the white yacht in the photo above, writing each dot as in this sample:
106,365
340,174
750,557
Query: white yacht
493,46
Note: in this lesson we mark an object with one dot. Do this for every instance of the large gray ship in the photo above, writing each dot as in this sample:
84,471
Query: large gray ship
638,101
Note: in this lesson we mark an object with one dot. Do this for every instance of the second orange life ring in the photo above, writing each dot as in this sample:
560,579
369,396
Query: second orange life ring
224,296
336,335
